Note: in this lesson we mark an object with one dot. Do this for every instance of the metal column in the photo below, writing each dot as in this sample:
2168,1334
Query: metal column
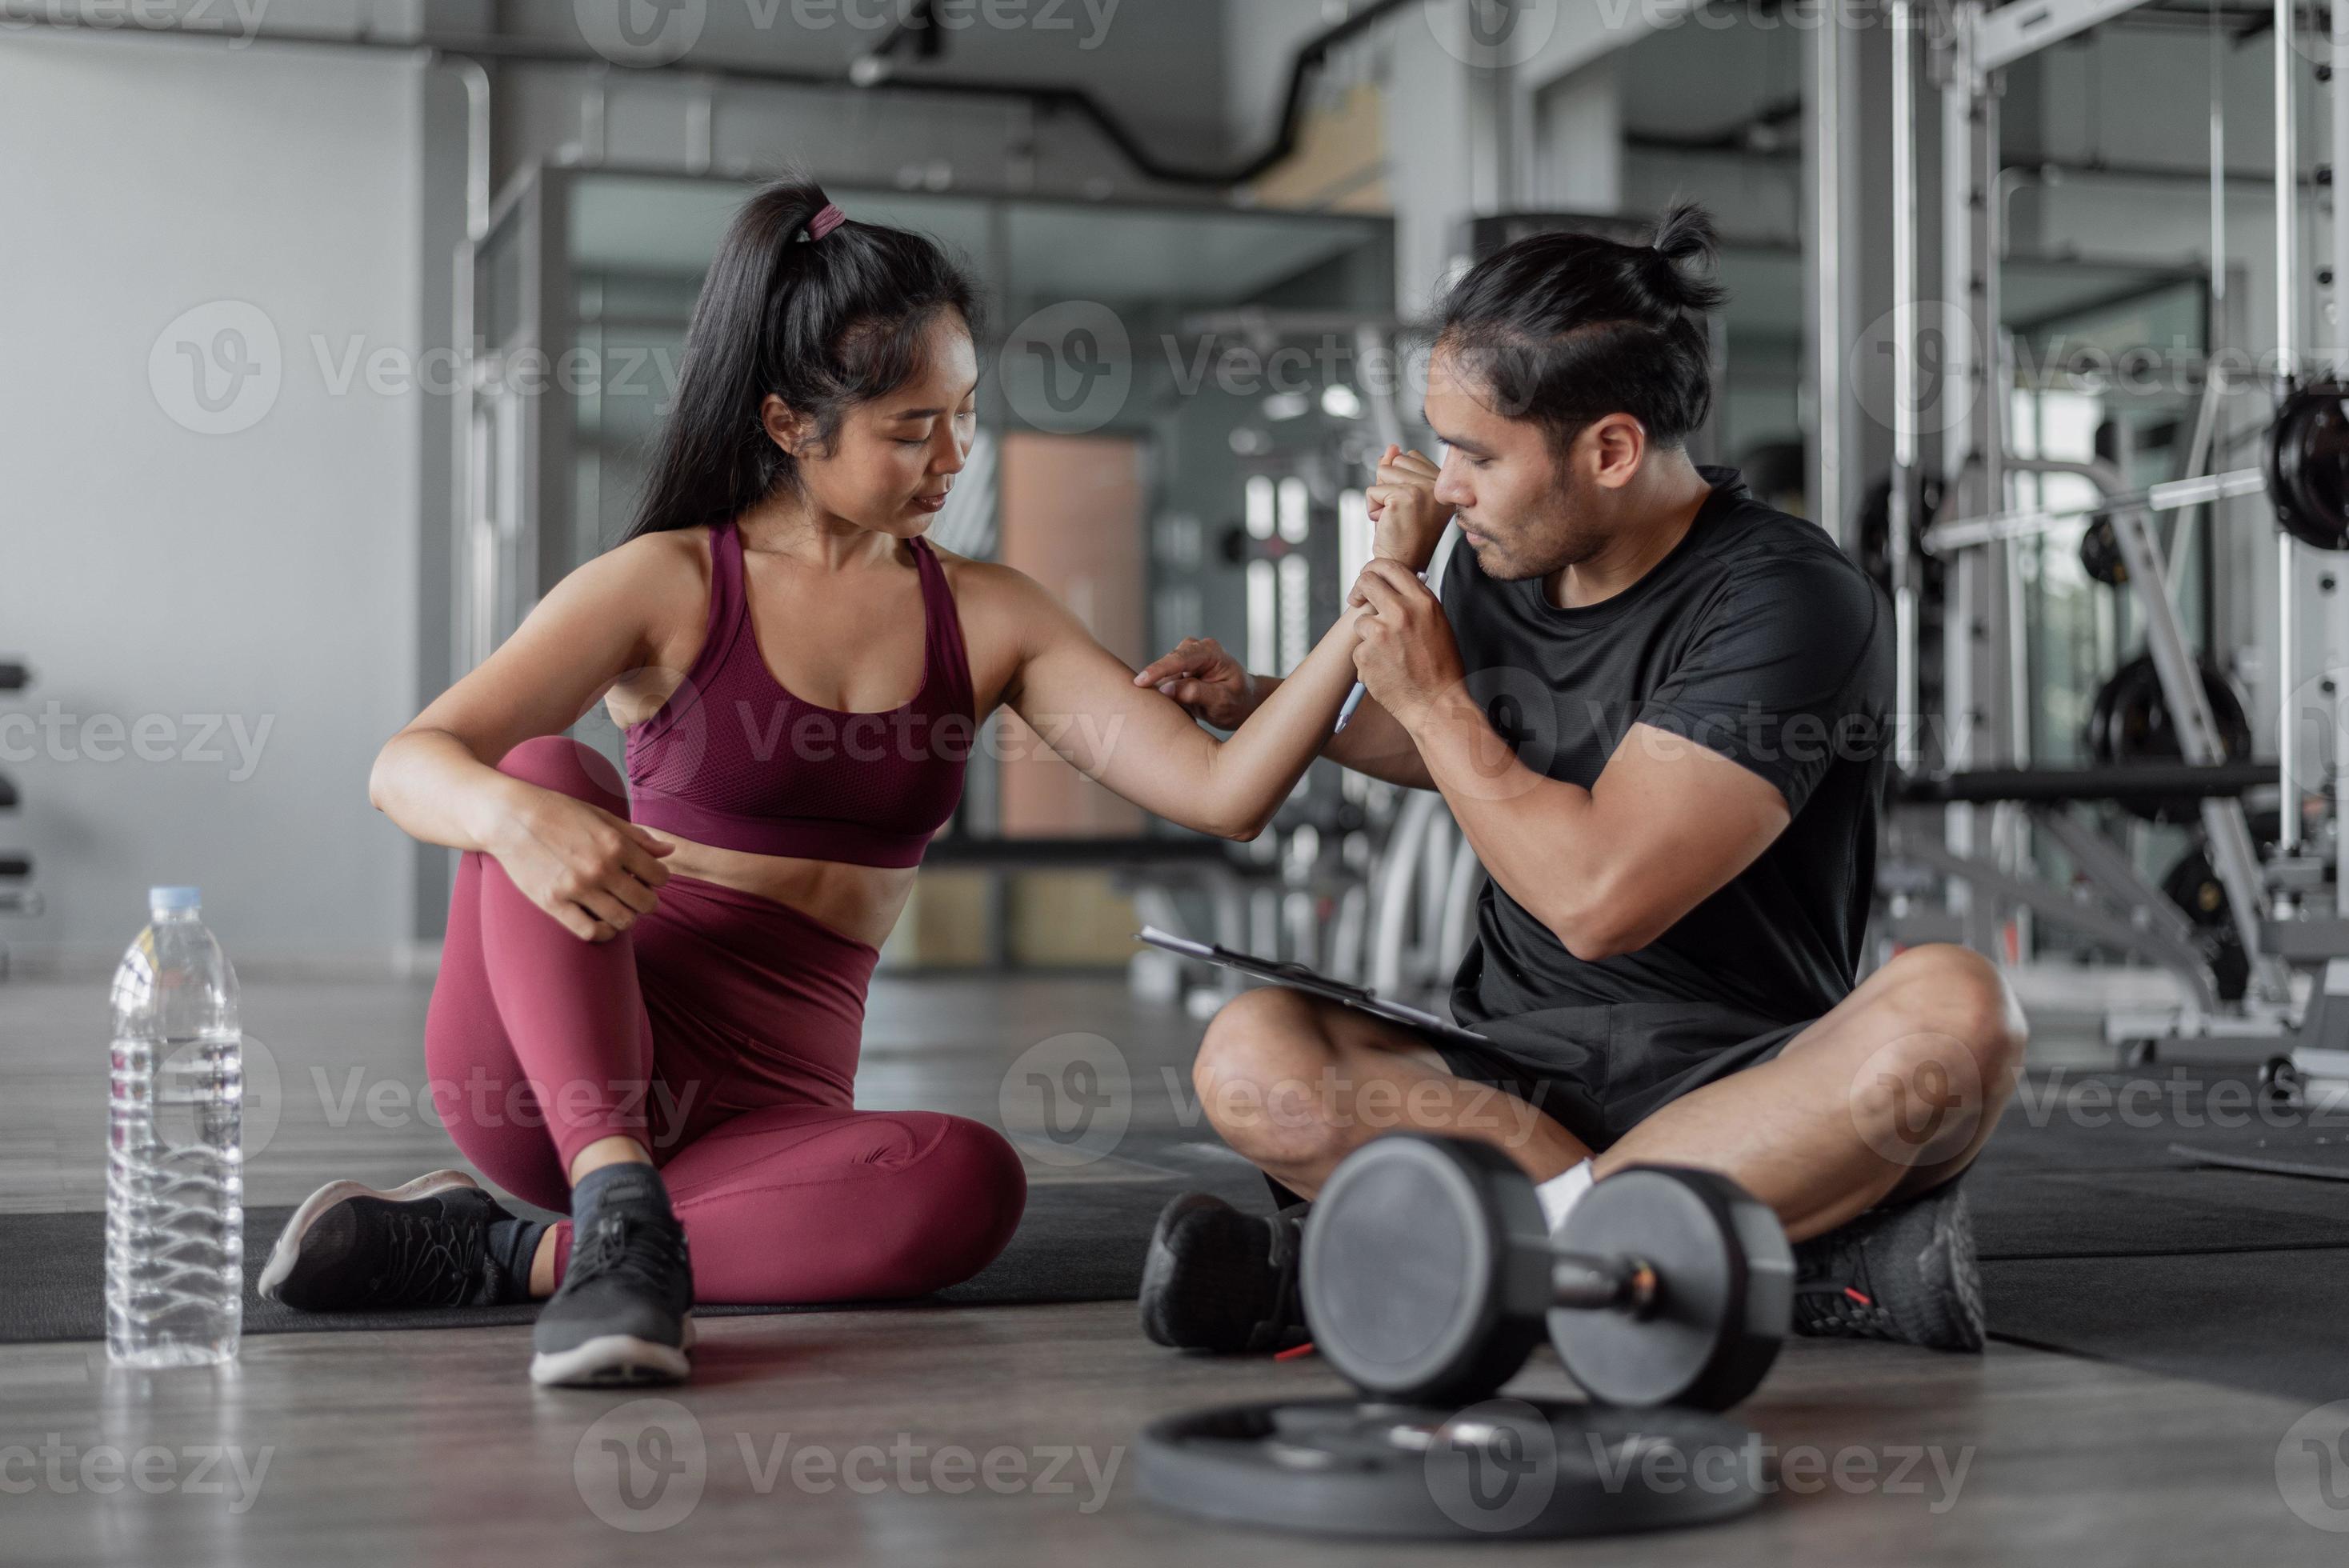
2338,603
1976,630
2287,231
1900,542
1830,283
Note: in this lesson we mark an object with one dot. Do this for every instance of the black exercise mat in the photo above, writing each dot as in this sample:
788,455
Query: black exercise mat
2021,1211
2101,1236
1079,1241
2268,1322
2128,1121
2321,1157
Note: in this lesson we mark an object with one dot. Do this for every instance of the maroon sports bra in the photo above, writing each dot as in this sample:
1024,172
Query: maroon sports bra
735,761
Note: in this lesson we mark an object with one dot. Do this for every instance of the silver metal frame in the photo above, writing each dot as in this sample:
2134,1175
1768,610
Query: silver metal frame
1966,533
1899,544
2016,32
2337,606
1829,286
1983,661
2287,224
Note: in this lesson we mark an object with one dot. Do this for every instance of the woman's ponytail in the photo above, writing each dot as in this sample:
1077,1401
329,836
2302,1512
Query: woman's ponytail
804,304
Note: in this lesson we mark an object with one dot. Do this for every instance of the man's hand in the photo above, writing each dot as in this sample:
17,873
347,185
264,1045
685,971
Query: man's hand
1209,682
1406,653
1407,521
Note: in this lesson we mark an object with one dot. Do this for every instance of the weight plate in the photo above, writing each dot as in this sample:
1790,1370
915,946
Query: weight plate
2195,888
1410,1288
1502,1470
2308,466
2100,554
1725,1295
2130,723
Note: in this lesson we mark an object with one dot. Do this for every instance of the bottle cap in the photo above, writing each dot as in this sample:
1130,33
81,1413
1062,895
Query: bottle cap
174,897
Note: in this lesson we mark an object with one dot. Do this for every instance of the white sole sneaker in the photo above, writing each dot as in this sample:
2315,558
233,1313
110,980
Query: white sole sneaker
288,1251
614,1360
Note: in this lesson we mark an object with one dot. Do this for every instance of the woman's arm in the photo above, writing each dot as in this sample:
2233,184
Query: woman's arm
1216,688
438,777
1082,699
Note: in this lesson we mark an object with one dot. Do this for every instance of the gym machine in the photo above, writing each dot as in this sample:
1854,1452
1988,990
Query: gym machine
2169,748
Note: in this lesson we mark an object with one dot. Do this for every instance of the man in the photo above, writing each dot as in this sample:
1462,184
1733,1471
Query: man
1657,710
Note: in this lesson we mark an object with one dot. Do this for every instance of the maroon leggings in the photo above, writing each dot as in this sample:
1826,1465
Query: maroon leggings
721,1030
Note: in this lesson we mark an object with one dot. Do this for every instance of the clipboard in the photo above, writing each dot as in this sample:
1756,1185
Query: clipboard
1298,977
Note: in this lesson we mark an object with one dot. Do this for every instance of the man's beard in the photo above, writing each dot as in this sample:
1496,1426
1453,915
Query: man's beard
1556,542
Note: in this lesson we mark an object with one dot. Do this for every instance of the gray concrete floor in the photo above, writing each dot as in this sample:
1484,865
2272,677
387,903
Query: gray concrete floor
996,1435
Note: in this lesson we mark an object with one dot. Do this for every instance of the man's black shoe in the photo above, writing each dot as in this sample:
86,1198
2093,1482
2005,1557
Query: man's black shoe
1907,1274
1218,1279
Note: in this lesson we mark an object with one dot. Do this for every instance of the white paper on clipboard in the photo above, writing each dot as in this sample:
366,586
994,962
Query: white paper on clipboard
1298,977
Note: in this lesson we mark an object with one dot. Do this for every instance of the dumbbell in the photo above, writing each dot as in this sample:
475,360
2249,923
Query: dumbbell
1429,1273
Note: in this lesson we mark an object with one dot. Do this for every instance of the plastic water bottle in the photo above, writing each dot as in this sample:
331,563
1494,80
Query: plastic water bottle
175,1157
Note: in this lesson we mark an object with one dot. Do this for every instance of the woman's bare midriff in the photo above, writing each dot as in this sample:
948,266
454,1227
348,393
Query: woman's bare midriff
859,902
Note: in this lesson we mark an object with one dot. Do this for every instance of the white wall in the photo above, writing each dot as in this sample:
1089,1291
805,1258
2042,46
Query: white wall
266,576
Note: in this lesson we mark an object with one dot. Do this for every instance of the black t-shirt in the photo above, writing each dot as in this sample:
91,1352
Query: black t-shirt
1756,637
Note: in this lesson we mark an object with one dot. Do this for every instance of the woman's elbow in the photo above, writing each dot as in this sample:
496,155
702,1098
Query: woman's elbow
1237,829
382,778
379,779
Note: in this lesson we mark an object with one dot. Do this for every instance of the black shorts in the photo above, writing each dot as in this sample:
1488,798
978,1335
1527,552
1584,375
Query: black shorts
1600,1071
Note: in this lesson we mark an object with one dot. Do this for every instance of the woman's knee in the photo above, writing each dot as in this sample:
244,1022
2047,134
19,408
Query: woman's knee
496,1124
570,768
972,1191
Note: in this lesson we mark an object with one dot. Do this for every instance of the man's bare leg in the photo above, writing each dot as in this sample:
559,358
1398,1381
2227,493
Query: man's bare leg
1296,1084
1891,1094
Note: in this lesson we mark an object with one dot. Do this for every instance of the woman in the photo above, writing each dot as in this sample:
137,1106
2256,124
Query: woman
649,1010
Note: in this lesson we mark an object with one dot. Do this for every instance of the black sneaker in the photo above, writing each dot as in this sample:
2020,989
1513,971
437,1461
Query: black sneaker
1907,1274
1218,1279
624,1312
351,1247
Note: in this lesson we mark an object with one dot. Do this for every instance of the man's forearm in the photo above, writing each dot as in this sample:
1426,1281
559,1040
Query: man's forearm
1533,832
